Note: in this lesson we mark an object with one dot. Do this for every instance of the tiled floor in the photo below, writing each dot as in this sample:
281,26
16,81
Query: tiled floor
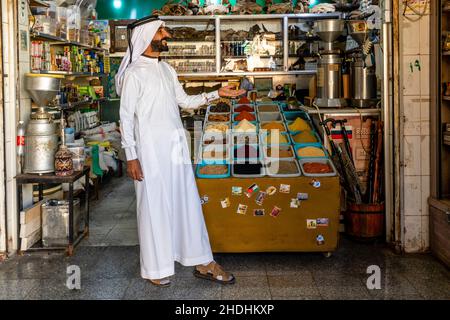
109,264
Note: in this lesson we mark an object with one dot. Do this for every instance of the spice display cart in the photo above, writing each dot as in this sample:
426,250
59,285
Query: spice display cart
270,210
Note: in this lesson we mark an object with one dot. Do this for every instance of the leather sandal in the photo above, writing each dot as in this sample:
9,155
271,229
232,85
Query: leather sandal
214,272
162,283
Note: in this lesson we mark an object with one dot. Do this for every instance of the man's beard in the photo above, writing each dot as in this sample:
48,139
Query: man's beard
159,45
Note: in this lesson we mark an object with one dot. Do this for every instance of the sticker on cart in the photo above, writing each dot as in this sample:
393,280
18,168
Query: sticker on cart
320,240
322,222
251,190
259,212
204,199
271,190
295,203
236,191
225,203
260,198
311,223
285,188
242,209
315,183
275,211
302,196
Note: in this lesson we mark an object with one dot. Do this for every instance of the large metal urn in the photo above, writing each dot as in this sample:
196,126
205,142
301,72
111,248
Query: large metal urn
41,143
41,138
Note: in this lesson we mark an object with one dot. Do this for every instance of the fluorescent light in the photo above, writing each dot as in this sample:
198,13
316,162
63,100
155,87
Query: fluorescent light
117,4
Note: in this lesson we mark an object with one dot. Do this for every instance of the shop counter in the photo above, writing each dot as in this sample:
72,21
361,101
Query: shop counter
312,227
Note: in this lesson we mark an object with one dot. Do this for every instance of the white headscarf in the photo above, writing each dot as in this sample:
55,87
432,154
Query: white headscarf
141,38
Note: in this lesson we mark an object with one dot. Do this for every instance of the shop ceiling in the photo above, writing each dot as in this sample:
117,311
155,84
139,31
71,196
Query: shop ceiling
135,9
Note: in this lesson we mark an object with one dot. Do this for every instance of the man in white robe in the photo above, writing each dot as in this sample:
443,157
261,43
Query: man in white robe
171,225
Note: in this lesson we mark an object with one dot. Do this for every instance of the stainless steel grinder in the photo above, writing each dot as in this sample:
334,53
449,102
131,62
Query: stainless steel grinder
329,73
41,137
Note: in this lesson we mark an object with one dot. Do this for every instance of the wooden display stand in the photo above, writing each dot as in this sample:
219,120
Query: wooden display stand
233,232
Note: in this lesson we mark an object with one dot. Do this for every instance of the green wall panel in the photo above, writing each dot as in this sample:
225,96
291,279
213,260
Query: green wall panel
135,9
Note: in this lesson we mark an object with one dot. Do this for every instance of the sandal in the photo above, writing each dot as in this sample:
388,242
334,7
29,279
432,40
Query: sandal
162,283
214,272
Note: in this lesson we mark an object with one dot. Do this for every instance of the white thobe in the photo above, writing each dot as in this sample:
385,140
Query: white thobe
171,225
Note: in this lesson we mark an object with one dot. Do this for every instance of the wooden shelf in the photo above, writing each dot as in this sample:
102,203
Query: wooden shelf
68,73
189,57
446,98
58,40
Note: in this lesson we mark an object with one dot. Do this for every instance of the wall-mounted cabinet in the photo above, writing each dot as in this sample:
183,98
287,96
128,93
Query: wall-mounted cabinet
252,45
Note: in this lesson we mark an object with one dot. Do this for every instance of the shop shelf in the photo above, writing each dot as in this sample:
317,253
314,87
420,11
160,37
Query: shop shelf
319,160
69,73
62,41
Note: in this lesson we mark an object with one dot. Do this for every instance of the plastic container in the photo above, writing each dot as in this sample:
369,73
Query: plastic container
292,115
217,114
217,123
262,123
208,110
212,176
281,148
304,145
272,171
238,155
270,116
215,138
258,165
245,132
217,148
293,134
274,107
289,122
319,160
262,138
240,105
252,113
244,138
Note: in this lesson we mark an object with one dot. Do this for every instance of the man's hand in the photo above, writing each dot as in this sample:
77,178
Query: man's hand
134,170
230,92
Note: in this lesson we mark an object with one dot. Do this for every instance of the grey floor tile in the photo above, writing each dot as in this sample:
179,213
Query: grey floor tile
338,280
117,262
181,288
243,264
52,289
292,286
431,286
298,298
254,287
287,263
394,285
35,266
344,293
16,289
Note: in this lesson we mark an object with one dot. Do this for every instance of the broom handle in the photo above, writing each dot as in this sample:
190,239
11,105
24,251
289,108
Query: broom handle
376,181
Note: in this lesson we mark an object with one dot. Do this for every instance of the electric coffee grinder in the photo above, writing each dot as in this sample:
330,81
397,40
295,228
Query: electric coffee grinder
329,66
362,67
41,137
